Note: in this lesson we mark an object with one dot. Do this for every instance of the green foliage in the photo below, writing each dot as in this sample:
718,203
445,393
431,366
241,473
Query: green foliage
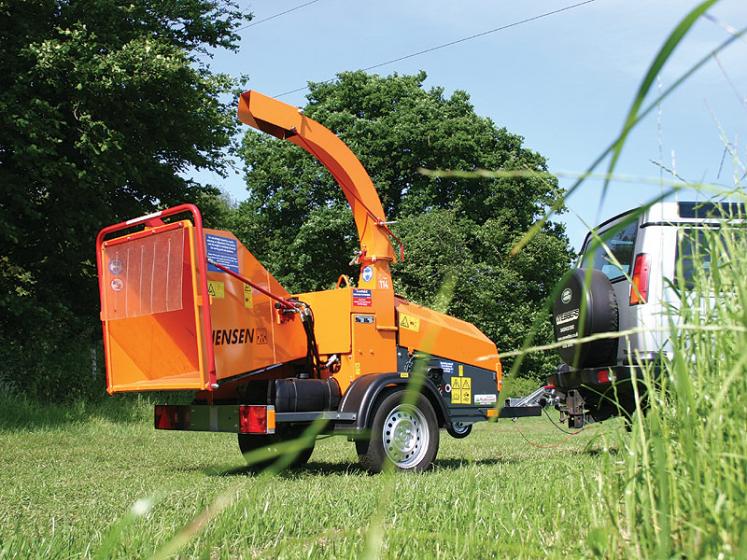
298,223
103,106
52,368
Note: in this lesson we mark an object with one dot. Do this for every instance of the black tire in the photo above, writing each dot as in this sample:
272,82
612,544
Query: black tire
599,314
457,430
250,442
403,436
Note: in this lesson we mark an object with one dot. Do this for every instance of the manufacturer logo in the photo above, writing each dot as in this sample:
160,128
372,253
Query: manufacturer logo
566,317
222,337
367,274
566,295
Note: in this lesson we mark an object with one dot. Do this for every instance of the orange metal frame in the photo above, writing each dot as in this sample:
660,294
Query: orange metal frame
155,220
288,123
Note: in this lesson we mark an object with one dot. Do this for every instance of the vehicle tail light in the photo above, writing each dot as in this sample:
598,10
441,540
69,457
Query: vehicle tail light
172,417
603,376
639,287
256,419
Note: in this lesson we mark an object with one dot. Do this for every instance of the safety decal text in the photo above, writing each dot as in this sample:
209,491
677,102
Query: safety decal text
216,289
447,367
409,322
461,390
362,298
248,299
222,250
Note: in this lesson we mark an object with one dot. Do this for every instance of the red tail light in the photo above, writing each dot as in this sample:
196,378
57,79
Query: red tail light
172,417
639,288
603,376
256,419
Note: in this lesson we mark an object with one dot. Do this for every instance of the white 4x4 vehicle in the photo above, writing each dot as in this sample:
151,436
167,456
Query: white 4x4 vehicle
624,284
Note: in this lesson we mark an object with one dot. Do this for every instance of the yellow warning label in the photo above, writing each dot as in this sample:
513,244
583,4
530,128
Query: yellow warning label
404,374
357,368
461,390
461,370
216,289
409,322
248,300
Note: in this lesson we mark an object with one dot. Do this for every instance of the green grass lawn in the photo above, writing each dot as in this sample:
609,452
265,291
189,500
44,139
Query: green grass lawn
69,479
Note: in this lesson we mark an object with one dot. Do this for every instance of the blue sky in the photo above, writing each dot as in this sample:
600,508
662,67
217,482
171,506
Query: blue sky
564,82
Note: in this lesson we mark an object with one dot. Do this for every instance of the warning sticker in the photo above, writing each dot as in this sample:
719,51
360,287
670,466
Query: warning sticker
248,299
222,250
461,390
362,298
447,367
216,289
409,322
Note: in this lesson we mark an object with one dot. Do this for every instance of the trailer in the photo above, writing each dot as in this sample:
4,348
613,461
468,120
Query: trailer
187,308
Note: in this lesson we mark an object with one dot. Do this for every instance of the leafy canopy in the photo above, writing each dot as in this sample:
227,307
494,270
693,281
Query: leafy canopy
103,107
298,223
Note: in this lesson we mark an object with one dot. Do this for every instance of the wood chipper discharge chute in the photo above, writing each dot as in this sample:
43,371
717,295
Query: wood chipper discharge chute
187,308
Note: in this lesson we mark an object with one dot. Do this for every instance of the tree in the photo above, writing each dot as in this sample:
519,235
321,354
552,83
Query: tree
297,221
103,107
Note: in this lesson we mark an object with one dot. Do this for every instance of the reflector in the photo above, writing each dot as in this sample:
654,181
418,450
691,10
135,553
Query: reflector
172,417
253,419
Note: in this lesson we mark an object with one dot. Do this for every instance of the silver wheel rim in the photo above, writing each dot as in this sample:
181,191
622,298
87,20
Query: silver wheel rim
460,428
405,436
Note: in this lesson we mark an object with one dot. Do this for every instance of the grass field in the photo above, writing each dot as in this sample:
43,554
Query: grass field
69,480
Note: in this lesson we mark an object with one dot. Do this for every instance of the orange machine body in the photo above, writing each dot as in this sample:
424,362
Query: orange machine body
190,308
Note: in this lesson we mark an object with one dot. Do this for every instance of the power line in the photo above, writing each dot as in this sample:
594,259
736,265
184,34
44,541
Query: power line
455,42
293,9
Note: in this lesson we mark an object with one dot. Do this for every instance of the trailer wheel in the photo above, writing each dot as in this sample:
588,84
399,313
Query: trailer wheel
249,443
459,430
403,435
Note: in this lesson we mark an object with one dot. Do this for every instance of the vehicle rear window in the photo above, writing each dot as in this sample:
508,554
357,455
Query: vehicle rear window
695,246
718,210
622,247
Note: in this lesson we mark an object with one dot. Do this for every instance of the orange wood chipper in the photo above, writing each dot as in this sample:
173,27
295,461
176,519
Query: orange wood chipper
185,308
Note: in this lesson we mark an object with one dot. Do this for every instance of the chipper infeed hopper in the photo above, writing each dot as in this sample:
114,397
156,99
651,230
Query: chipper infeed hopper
191,309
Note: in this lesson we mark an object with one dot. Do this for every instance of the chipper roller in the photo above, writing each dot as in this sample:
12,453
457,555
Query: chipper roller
186,308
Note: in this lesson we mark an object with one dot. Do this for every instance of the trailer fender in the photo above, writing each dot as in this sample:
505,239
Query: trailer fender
363,394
